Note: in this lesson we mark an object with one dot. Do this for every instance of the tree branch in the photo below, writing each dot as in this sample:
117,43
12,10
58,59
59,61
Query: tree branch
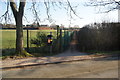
110,4
13,7
71,9
21,7
35,12
6,15
47,9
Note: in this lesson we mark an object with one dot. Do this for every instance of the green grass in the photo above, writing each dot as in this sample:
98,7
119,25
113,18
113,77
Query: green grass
9,37
108,53
104,52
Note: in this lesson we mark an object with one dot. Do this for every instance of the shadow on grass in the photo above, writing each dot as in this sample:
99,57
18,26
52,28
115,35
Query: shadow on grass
35,51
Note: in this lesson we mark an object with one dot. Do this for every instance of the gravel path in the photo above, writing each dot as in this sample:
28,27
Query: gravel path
70,53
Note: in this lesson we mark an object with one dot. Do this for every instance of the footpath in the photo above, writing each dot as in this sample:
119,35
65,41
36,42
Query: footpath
33,61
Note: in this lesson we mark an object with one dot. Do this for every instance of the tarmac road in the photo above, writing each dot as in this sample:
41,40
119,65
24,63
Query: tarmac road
77,69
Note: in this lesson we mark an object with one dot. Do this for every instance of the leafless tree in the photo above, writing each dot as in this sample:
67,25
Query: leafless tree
109,5
18,13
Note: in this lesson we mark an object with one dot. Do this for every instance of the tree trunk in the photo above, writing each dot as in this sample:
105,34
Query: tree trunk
19,34
18,15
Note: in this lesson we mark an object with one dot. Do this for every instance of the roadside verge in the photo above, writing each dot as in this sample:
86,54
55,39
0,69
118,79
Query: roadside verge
34,61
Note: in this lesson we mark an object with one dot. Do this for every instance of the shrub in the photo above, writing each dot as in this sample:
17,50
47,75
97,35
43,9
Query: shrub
100,37
40,40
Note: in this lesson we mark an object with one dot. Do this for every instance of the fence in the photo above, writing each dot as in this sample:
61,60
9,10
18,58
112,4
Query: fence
61,40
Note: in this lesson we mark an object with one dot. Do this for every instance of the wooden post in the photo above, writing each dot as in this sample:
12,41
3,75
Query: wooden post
50,49
60,40
57,31
27,40
51,43
57,39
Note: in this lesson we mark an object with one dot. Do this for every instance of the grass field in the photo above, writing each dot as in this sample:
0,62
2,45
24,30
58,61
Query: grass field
8,37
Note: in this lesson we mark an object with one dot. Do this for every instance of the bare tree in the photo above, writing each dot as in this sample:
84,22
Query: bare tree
19,13
109,5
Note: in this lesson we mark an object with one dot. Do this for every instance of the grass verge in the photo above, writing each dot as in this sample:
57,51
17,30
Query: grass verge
104,52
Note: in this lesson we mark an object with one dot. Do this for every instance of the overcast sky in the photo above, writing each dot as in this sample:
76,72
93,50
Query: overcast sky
59,15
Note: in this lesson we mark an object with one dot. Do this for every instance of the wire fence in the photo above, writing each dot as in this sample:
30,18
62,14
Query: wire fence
61,40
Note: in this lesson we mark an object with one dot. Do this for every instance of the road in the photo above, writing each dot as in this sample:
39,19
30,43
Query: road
77,69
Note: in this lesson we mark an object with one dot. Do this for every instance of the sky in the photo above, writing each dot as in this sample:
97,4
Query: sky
59,15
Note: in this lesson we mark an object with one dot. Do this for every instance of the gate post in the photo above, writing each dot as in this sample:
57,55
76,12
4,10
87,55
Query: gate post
57,32
27,40
60,40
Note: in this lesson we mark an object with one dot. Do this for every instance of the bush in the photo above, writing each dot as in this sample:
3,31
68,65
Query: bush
42,47
100,37
40,40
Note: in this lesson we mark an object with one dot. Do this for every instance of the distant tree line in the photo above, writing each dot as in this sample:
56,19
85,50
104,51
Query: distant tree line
30,26
7,26
99,37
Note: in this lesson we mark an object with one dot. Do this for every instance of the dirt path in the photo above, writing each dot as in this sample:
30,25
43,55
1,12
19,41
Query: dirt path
70,53
72,49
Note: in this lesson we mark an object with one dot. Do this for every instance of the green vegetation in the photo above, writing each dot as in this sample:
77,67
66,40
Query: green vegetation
108,53
58,45
100,38
9,36
104,52
41,40
42,49
8,41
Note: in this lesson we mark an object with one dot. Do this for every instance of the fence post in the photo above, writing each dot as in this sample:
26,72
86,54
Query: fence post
67,38
57,31
60,40
63,39
27,40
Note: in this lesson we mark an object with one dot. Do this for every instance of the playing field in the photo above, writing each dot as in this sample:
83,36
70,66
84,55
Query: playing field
8,37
